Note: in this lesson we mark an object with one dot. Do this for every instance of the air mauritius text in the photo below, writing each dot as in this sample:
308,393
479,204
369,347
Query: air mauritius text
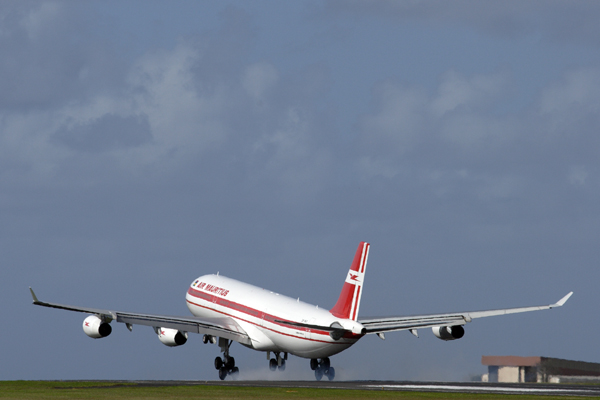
212,289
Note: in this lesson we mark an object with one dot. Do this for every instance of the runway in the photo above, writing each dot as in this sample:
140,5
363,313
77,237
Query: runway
446,387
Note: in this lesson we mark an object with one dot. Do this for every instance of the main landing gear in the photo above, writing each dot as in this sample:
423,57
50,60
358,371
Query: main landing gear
226,365
322,367
277,362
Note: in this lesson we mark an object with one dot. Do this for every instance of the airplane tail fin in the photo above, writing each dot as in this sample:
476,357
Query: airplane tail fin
349,300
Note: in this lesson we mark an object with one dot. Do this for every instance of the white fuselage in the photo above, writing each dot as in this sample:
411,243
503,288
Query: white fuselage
257,311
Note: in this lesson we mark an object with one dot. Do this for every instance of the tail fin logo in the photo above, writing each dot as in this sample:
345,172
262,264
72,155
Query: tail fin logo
354,278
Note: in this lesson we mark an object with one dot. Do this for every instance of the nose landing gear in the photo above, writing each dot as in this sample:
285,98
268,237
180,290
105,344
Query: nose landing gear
322,367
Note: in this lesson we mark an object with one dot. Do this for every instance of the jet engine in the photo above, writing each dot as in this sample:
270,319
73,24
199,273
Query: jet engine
449,332
95,328
171,337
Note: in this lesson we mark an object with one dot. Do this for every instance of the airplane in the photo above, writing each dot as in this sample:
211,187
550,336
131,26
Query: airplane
226,310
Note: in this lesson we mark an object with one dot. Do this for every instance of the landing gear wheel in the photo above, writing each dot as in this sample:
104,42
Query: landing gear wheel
314,364
319,374
273,364
230,363
222,373
282,366
325,362
205,339
218,363
331,373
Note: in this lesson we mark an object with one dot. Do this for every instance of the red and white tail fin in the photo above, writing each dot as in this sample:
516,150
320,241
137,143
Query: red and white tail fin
349,300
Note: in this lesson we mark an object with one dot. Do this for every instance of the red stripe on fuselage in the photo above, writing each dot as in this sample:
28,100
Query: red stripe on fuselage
261,315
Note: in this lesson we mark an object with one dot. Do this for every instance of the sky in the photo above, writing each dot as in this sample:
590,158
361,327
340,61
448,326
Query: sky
146,143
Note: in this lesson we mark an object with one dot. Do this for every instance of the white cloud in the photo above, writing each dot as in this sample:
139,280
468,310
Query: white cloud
457,128
577,175
185,119
580,88
36,20
399,119
498,187
259,78
479,184
475,132
456,91
289,156
289,142
370,167
459,113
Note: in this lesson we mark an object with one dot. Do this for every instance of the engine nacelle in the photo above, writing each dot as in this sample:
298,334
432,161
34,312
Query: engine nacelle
449,332
172,337
95,328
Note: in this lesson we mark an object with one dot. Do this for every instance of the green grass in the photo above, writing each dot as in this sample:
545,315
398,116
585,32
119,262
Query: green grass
132,391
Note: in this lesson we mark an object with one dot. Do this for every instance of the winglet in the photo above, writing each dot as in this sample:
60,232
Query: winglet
35,299
562,301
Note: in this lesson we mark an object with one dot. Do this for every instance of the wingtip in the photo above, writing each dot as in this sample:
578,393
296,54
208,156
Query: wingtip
562,301
35,299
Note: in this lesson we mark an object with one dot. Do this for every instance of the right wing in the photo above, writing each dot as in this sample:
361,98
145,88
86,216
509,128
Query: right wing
411,322
222,327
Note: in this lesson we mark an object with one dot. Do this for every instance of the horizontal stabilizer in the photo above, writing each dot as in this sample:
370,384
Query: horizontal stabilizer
336,331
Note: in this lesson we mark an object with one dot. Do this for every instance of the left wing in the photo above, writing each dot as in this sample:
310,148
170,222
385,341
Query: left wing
388,324
222,327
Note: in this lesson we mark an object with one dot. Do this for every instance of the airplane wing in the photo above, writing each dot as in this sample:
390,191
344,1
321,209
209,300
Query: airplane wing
412,322
222,327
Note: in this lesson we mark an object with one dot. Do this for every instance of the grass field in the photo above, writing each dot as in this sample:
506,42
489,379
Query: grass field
132,391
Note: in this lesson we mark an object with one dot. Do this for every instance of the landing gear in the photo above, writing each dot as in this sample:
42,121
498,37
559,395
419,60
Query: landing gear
222,374
277,362
330,373
209,339
272,364
322,368
319,374
226,365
